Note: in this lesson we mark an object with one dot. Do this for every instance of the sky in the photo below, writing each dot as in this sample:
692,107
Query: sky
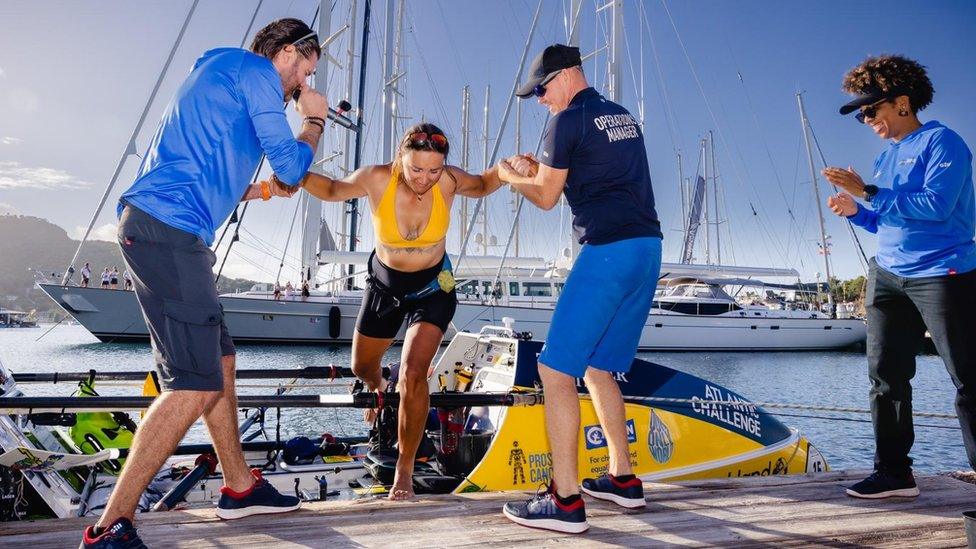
75,77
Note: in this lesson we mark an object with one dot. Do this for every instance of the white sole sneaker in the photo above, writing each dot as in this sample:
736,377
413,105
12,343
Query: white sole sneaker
549,524
233,514
900,493
614,498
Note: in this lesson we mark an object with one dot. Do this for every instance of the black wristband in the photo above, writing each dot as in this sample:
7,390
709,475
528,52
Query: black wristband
316,123
321,120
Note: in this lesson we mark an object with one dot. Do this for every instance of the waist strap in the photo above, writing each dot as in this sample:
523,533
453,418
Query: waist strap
444,281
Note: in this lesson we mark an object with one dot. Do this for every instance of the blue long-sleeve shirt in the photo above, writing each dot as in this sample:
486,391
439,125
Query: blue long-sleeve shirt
226,113
924,212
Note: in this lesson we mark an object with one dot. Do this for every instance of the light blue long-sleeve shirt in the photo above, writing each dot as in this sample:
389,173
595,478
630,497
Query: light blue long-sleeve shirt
226,113
924,212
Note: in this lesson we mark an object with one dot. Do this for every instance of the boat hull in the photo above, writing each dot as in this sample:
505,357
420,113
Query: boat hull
113,315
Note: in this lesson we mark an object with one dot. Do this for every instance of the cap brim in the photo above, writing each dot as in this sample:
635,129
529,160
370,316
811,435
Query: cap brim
526,89
862,100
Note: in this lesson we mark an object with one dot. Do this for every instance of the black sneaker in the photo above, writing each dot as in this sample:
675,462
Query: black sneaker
119,535
259,499
882,485
547,512
629,494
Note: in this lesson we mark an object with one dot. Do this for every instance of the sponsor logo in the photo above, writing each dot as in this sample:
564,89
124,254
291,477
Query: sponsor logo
945,164
593,434
659,440
778,468
907,162
545,154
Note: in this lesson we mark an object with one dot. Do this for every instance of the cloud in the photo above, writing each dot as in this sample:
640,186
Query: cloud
15,176
7,209
23,99
108,232
8,140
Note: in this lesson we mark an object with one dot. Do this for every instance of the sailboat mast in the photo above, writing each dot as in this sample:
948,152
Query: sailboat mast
718,241
484,210
705,202
348,145
354,203
517,197
816,193
465,151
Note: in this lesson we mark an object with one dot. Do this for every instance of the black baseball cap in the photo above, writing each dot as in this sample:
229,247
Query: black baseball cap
871,97
545,66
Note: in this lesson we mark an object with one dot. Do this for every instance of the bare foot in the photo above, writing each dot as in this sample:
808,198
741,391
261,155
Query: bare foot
401,490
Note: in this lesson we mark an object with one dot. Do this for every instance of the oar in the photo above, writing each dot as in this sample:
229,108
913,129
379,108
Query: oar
41,404
309,372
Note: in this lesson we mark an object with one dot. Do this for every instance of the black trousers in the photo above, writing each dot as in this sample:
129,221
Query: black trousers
899,311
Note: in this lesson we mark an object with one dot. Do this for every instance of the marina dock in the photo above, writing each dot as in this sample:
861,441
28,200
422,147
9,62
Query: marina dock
781,511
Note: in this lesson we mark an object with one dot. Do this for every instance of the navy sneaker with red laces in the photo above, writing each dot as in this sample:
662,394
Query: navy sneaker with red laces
119,535
550,512
259,499
628,493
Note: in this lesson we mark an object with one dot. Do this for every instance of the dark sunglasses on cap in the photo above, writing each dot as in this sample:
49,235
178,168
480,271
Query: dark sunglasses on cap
870,111
435,141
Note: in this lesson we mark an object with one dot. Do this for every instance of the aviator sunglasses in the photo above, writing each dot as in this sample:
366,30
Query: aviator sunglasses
422,139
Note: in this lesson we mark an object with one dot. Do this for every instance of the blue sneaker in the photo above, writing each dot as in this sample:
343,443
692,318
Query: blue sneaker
119,535
259,499
547,512
629,494
883,485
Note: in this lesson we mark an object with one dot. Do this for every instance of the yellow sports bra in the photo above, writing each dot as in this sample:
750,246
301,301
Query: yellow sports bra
384,218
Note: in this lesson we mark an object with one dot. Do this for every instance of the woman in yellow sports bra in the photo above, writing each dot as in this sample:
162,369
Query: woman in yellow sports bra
409,271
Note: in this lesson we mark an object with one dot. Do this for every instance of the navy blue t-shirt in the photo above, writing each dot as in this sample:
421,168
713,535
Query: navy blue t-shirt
608,186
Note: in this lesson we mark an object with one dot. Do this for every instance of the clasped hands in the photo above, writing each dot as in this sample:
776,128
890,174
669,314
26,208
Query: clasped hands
849,181
519,168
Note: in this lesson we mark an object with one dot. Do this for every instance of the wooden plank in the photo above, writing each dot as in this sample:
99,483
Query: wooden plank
781,511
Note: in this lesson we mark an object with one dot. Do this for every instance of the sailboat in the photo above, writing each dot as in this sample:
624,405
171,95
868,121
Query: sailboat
492,287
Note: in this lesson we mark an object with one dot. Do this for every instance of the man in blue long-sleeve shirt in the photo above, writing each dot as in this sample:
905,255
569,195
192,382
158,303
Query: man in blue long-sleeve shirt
226,114
924,275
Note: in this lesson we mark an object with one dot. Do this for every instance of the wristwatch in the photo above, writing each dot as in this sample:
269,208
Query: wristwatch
870,191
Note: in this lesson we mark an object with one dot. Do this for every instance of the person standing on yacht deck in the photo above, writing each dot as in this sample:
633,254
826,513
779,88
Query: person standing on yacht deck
225,115
593,150
85,275
923,209
410,275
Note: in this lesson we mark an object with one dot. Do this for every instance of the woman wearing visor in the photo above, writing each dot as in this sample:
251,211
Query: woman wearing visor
919,200
410,275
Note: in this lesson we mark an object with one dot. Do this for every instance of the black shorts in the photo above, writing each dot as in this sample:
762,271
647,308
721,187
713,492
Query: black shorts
172,275
384,308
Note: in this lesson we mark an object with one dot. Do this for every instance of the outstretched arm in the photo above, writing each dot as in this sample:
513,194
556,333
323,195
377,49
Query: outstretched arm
476,186
326,188
541,184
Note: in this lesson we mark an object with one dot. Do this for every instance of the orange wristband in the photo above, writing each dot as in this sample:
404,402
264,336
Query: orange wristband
265,191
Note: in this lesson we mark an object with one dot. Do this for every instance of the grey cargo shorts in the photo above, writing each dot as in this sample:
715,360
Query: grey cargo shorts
172,275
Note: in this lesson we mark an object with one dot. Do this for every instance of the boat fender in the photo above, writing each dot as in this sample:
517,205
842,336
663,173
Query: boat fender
335,317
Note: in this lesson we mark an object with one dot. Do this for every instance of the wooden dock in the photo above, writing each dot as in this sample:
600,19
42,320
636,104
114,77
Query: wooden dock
759,511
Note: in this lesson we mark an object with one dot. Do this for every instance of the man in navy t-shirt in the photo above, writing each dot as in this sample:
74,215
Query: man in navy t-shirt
593,152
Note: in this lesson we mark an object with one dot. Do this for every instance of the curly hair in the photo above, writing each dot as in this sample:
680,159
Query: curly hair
887,73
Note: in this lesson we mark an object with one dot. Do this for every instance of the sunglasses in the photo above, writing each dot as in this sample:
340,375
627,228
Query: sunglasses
435,141
540,89
870,111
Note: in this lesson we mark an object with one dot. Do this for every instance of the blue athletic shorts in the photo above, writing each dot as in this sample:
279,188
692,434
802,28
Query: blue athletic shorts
603,307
